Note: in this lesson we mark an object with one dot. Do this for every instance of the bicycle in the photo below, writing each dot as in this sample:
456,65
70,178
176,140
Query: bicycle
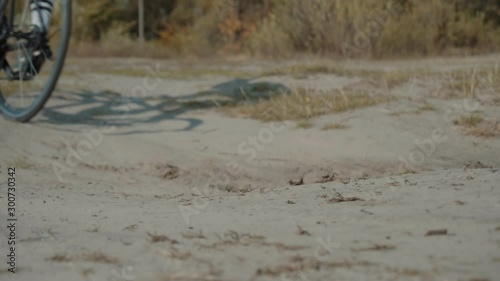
24,86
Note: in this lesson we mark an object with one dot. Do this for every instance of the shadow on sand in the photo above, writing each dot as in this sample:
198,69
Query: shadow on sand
94,108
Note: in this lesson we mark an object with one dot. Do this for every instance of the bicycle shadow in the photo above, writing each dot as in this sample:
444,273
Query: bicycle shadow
114,109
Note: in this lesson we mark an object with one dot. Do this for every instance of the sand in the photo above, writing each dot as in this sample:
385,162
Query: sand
154,190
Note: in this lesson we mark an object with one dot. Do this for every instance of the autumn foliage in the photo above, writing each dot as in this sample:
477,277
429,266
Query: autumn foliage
355,28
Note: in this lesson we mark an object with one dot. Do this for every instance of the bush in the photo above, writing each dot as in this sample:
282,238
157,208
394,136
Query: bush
355,28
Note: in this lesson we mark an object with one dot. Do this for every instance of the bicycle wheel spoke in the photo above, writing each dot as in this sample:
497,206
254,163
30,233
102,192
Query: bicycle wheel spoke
21,78
33,68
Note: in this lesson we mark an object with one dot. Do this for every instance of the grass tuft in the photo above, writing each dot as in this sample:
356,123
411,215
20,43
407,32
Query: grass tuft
426,107
22,162
303,104
470,121
478,84
335,126
476,125
304,124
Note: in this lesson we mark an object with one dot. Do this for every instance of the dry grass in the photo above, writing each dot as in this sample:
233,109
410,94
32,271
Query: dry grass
339,198
340,27
194,235
302,232
60,258
376,247
298,264
262,87
183,276
299,70
131,228
401,173
176,254
335,126
479,84
179,73
383,79
99,258
304,124
233,238
488,129
22,162
369,28
415,273
463,83
303,104
154,238
425,108
387,79
96,257
476,125
115,43
470,121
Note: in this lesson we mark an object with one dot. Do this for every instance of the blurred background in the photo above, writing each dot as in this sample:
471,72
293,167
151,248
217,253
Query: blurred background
285,28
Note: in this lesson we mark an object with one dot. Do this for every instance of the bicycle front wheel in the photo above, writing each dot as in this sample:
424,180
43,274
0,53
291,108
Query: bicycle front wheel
24,86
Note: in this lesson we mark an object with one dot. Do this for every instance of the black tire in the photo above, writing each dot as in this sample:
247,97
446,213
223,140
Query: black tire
26,114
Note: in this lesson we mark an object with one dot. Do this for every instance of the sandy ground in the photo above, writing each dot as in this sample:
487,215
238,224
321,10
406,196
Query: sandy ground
157,190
